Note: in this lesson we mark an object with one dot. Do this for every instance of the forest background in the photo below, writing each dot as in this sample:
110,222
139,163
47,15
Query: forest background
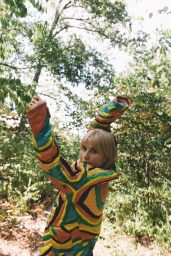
65,52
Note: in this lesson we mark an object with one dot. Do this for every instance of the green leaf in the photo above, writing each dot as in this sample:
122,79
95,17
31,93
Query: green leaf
4,22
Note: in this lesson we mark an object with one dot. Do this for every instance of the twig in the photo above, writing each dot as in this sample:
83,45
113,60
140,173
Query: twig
14,67
47,95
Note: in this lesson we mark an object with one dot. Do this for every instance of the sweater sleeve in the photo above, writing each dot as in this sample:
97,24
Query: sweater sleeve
109,113
46,148
48,154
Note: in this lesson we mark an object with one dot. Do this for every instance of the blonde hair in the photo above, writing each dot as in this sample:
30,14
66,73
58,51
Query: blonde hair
106,141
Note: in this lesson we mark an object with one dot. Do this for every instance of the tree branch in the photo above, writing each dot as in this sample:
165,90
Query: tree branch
8,65
66,6
37,74
4,116
99,31
71,18
15,68
57,32
84,28
58,14
47,95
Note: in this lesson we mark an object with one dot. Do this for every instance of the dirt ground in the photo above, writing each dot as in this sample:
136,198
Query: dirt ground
20,236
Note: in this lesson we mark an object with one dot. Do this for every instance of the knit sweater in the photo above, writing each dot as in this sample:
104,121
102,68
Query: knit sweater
75,220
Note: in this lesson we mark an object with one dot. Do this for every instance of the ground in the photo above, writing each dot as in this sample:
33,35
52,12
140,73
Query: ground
20,236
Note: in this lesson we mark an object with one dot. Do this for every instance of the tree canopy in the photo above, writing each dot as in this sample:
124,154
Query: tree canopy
54,42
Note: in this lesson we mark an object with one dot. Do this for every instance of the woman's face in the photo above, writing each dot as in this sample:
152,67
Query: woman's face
92,155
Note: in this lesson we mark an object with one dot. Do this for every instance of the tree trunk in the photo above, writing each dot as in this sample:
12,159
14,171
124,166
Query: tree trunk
37,74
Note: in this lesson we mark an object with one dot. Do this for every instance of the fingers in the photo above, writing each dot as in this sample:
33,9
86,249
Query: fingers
36,97
35,101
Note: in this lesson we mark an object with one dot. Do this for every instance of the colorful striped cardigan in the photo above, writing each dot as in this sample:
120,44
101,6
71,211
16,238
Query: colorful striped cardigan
75,220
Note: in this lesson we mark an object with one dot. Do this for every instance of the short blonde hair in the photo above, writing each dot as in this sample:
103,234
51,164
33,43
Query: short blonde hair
106,141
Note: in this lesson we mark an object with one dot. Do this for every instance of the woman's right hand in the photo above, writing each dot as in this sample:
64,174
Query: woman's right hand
34,103
37,113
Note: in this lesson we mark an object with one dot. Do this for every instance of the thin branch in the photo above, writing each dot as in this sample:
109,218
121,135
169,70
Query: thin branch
79,6
8,117
57,16
66,6
100,32
14,67
71,18
57,32
47,95
8,65
84,28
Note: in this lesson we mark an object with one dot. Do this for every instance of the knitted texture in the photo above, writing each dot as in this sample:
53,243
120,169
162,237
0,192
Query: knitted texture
37,116
75,220
109,113
76,216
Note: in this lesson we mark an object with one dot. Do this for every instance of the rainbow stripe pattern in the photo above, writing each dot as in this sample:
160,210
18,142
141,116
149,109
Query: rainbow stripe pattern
110,112
75,220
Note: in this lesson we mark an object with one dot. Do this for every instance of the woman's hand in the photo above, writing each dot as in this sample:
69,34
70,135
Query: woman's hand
37,113
35,102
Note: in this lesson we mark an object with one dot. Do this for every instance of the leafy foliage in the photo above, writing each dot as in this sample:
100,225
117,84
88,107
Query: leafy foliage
142,205
113,12
28,47
14,89
140,200
21,179
19,7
